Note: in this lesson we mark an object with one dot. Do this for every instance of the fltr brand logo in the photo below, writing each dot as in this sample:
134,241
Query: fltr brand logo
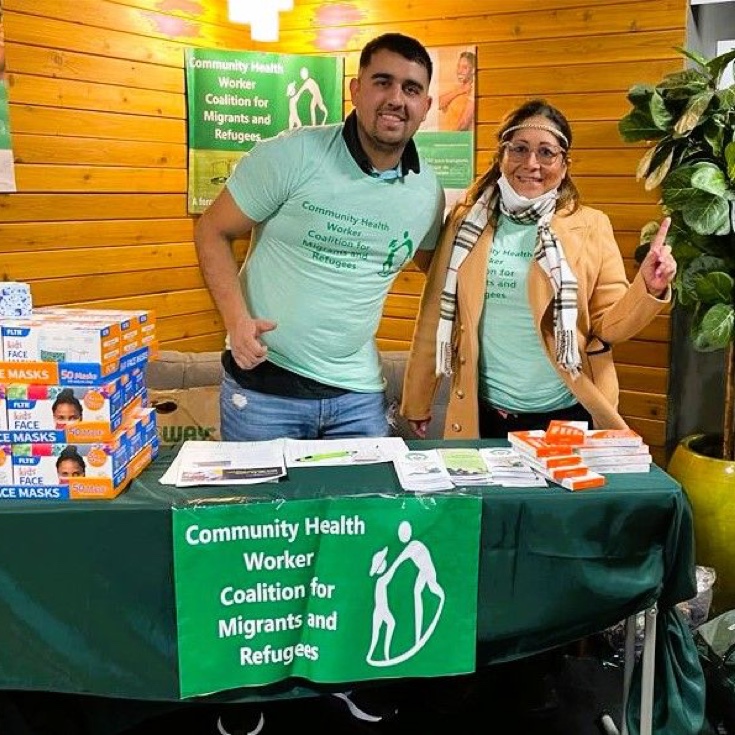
383,621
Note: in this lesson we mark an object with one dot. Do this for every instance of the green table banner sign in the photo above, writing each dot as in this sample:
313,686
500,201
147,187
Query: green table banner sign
236,98
329,589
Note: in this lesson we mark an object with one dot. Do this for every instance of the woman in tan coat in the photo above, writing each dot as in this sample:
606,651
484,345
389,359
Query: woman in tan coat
527,292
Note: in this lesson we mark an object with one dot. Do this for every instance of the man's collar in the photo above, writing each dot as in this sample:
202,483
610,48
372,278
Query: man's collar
409,159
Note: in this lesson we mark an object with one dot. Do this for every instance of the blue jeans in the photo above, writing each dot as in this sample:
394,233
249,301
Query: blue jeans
246,415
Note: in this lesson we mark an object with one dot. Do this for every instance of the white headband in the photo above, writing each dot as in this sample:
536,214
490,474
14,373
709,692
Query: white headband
538,126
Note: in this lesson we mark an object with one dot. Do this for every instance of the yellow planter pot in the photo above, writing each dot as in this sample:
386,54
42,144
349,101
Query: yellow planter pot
710,486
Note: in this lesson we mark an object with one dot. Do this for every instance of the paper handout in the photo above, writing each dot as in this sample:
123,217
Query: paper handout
228,463
422,472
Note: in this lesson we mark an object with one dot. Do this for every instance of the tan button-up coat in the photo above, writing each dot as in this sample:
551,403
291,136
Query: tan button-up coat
610,310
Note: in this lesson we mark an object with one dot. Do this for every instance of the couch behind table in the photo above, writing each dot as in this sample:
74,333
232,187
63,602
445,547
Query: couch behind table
198,374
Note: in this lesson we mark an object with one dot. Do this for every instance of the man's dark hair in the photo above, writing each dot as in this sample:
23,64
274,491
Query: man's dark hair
406,46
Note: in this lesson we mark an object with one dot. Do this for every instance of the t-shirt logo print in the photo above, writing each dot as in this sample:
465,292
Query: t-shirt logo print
383,620
400,251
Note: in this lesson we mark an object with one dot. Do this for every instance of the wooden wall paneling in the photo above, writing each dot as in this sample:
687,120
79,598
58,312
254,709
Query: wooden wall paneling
46,62
77,151
644,379
62,207
50,178
102,291
49,92
94,124
21,237
108,261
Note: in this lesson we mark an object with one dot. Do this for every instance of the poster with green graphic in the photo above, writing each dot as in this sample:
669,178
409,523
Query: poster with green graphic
7,165
446,138
236,98
330,589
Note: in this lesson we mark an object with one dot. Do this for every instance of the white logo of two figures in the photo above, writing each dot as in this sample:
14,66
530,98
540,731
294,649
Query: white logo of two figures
416,552
317,101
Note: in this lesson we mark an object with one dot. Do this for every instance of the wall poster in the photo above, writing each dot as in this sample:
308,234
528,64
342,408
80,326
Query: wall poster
236,98
7,167
446,139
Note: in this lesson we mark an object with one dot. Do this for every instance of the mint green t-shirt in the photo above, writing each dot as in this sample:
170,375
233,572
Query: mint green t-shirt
330,241
515,372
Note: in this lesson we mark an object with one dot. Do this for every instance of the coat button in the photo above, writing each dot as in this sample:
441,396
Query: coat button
456,427
462,360
460,394
461,327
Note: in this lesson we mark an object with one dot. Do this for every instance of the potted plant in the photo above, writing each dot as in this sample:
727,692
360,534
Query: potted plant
689,124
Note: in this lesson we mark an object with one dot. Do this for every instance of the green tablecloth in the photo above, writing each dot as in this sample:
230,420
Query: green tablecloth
87,599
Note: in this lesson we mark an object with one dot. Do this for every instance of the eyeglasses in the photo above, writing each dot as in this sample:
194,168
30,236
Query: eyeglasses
546,155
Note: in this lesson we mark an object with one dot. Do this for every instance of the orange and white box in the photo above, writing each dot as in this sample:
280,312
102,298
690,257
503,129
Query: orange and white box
609,453
560,473
99,408
36,464
583,482
612,437
137,326
6,465
49,340
533,444
621,463
568,460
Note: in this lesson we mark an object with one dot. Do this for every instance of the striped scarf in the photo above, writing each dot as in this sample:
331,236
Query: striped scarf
548,253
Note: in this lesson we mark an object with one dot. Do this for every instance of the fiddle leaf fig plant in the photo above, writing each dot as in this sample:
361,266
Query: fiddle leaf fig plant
688,122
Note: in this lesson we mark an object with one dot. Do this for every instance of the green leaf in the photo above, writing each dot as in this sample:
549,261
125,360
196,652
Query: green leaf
710,178
715,288
683,84
697,270
638,125
715,330
639,95
677,189
659,173
696,57
660,115
730,161
706,213
714,136
694,112
645,163
718,65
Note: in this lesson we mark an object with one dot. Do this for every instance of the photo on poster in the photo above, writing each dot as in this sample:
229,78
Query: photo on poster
446,139
7,166
236,98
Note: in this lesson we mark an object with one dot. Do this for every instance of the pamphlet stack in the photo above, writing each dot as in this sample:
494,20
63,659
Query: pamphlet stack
609,452
92,361
552,454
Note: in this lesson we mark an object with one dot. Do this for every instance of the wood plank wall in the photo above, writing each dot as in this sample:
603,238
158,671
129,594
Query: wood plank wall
97,112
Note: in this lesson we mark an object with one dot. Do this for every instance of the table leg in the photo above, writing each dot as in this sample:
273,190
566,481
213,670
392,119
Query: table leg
648,672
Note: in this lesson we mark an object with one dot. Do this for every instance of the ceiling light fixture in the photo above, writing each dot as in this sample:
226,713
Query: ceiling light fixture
260,15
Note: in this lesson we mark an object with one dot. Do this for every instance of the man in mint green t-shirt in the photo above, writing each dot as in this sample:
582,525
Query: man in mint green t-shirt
336,212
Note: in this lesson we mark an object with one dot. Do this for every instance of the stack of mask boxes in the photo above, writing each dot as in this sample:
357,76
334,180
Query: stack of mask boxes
73,418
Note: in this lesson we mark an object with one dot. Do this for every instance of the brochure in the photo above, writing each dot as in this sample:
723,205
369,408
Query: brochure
422,472
226,463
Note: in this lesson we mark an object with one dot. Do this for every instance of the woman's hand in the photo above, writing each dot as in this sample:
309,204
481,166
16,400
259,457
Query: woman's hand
659,267
420,427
